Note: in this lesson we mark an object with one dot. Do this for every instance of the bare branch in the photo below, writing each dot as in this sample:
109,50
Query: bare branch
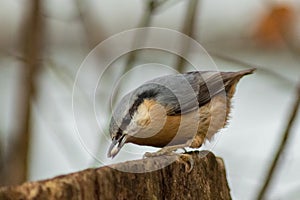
248,64
188,29
145,21
16,160
93,35
285,137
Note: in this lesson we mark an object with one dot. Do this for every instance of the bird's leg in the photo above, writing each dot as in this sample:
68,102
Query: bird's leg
165,151
197,141
184,158
168,150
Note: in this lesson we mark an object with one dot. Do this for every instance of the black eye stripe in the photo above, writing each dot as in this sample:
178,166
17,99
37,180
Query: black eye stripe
150,94
145,95
119,133
135,106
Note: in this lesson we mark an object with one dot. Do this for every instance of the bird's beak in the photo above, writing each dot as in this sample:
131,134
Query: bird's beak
116,146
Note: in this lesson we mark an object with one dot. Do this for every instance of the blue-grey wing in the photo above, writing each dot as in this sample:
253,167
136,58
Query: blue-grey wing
180,93
183,93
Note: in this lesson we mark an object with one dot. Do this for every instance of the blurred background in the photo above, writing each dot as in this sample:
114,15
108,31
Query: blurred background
53,121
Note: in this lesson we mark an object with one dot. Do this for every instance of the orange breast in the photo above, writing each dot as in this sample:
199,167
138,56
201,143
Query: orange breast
162,130
173,130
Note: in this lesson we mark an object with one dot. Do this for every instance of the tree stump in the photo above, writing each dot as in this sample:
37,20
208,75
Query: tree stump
207,180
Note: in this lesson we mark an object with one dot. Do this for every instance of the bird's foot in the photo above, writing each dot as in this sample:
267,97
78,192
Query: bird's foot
187,160
167,151
158,153
184,158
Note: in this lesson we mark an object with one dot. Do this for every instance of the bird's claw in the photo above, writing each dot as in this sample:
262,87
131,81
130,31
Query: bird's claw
187,160
184,158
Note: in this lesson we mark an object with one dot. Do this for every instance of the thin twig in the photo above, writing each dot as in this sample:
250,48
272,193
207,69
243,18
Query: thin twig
284,142
286,135
144,22
152,6
92,37
188,29
165,5
248,64
1,157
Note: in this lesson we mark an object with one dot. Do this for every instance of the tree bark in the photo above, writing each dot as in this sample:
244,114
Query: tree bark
207,180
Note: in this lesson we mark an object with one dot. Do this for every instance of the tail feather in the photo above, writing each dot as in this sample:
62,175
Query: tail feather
229,77
232,78
245,72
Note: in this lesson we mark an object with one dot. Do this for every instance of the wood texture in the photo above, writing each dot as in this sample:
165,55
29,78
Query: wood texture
207,180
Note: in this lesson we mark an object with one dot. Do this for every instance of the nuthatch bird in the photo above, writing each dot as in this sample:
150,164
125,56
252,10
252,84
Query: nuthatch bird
174,111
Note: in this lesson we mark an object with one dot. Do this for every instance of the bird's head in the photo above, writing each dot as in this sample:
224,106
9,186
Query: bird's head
129,118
